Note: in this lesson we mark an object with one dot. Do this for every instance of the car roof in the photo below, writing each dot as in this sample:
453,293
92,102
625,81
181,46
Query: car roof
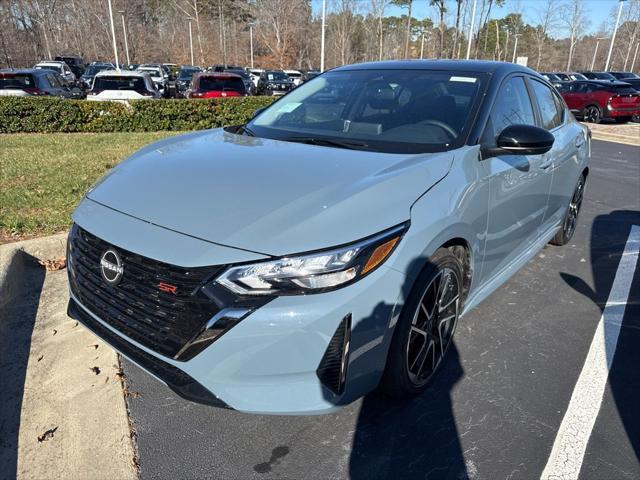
478,66
218,74
120,73
32,71
606,83
51,62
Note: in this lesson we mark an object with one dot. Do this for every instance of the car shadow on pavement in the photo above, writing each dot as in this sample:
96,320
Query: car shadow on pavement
609,234
17,319
416,438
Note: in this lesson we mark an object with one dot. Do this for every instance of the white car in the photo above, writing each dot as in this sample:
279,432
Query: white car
122,86
157,76
295,76
58,67
255,73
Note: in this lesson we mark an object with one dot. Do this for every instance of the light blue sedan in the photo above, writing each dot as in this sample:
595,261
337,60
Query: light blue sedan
330,246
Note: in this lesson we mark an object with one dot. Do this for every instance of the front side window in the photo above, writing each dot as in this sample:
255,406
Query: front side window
551,116
512,107
395,111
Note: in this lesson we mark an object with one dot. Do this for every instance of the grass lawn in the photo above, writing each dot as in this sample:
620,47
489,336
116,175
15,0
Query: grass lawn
44,176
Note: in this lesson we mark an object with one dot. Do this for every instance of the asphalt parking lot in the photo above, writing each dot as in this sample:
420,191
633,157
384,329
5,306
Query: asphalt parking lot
494,409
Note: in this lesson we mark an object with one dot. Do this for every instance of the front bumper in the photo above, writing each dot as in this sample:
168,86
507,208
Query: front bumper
268,362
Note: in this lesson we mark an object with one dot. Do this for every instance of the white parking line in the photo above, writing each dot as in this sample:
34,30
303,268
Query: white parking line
573,435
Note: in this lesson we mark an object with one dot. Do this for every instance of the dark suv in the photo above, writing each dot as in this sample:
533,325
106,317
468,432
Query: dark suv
594,100
183,80
75,63
274,82
35,82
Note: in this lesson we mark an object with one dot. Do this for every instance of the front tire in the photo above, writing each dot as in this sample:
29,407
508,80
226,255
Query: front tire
425,328
571,216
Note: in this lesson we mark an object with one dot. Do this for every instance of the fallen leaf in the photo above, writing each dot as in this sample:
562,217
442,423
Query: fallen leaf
95,370
40,357
55,331
47,435
53,265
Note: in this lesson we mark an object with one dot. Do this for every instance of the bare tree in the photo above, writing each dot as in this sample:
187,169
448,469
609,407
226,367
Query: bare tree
573,15
457,30
547,21
378,7
192,10
441,6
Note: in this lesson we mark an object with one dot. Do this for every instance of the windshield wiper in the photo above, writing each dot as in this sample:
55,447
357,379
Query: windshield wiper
246,130
329,142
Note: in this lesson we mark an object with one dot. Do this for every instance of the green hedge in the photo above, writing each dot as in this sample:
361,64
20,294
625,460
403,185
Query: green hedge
46,115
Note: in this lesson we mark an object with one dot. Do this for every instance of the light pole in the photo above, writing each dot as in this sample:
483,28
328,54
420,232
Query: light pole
613,37
126,43
190,40
251,24
515,47
595,52
473,18
113,36
324,11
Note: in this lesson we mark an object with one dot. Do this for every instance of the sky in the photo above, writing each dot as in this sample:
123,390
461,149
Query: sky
598,11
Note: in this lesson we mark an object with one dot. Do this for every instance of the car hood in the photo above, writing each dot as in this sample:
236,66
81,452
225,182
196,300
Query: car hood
268,196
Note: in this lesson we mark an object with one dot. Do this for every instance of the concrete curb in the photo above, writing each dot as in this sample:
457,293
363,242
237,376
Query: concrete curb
612,137
64,412
14,257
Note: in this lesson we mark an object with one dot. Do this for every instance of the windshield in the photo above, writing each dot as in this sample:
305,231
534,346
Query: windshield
277,76
55,68
396,111
187,73
93,69
210,83
578,76
603,76
154,72
120,83
622,89
16,80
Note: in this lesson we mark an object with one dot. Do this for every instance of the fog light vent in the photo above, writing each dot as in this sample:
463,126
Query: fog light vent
332,370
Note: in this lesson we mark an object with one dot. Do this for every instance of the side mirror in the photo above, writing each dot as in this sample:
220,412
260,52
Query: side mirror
521,140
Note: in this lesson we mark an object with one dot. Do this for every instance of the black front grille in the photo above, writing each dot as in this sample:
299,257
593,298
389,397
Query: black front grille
162,321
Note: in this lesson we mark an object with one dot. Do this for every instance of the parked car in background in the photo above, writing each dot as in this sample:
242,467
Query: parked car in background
295,76
183,80
35,82
274,82
554,79
255,73
635,84
624,75
122,86
329,246
246,78
158,75
58,67
309,74
595,100
217,84
599,76
74,62
569,76
91,70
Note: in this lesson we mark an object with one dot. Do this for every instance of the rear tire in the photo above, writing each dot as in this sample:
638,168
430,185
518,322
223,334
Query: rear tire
425,328
592,114
571,215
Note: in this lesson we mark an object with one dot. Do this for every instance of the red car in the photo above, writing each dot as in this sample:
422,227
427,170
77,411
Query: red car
217,84
594,100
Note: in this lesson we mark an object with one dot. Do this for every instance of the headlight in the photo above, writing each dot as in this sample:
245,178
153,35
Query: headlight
315,272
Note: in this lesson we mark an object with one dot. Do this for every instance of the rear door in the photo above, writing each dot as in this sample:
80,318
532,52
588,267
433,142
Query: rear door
519,187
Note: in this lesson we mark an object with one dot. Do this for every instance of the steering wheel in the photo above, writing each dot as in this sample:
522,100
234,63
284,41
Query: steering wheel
444,126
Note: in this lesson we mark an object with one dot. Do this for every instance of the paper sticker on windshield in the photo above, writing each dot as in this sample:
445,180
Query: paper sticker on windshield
463,79
289,107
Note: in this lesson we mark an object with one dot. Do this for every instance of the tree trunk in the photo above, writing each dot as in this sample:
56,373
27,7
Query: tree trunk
406,43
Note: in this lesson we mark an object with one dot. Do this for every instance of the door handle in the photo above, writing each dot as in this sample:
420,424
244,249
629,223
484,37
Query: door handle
546,164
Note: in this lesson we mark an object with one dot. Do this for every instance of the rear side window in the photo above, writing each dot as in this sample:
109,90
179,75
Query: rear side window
551,115
16,81
512,107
